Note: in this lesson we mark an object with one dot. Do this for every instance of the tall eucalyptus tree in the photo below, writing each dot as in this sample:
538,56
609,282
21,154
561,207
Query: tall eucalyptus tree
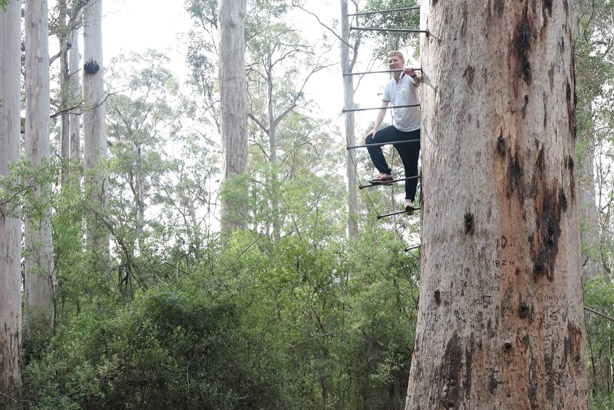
39,279
94,130
233,105
10,222
500,323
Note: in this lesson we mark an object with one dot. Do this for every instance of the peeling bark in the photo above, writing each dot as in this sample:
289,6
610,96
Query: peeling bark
500,230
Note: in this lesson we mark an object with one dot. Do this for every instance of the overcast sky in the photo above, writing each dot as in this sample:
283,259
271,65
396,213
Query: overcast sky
138,25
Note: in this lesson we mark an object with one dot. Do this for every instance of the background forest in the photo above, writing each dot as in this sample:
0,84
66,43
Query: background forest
306,306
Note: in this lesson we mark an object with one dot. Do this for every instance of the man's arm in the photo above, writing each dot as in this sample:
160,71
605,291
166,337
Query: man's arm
380,117
416,78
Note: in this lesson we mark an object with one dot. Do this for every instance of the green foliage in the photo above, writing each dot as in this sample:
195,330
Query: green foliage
166,349
388,41
295,324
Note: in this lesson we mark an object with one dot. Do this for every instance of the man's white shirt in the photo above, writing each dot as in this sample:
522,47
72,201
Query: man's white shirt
403,93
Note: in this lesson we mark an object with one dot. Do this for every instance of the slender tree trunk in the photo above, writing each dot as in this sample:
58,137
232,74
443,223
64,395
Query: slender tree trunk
350,140
74,59
272,134
39,282
63,37
233,106
10,221
589,215
501,322
94,131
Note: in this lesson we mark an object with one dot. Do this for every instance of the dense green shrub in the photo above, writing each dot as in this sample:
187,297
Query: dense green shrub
165,350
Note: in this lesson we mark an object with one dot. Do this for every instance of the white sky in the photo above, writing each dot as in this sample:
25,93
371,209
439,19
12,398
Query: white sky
138,25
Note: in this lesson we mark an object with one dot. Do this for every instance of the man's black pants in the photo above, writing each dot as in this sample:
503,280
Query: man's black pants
408,151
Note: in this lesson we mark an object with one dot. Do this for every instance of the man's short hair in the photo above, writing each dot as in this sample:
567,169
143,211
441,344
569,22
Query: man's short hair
396,53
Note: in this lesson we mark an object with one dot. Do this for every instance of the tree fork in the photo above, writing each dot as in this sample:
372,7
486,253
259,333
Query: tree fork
500,323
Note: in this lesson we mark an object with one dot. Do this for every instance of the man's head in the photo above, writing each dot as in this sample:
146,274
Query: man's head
395,60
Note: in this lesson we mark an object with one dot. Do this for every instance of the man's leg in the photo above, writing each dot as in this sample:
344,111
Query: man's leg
387,134
409,153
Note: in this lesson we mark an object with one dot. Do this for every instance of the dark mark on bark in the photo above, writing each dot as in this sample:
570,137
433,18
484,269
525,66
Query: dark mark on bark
492,384
468,366
571,112
451,370
533,383
522,46
469,74
469,228
548,226
548,6
501,144
514,174
523,310
574,340
437,297
540,161
500,7
562,199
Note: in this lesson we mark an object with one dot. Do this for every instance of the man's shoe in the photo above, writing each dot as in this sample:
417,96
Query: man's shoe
381,179
409,207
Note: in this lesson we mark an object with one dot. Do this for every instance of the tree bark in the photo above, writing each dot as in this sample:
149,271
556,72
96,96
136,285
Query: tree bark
74,59
39,284
94,130
233,105
350,139
10,221
500,322
63,37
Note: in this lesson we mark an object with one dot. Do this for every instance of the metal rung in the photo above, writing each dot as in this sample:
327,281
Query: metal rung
393,30
389,182
379,72
379,144
395,213
379,108
367,13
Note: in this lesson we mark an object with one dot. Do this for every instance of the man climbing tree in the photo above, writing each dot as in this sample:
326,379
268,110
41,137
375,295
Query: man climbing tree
402,91
500,322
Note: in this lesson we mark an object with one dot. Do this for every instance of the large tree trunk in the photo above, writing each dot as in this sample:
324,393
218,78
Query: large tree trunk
74,59
233,105
39,283
348,103
500,322
10,222
94,131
